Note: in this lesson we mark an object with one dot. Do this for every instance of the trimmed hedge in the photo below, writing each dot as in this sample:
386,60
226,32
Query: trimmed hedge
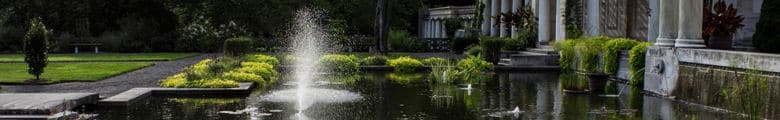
612,51
491,48
238,46
636,63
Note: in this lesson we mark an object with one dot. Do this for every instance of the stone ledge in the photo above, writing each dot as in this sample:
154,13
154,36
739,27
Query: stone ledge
133,95
43,103
738,59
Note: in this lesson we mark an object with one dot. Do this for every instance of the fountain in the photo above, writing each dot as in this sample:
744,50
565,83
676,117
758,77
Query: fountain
307,46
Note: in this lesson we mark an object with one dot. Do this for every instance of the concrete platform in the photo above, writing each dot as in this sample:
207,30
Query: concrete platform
43,103
133,95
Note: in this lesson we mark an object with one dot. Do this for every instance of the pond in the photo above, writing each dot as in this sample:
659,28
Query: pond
382,95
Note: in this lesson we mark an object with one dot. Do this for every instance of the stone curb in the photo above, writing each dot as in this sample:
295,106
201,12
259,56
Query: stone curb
133,95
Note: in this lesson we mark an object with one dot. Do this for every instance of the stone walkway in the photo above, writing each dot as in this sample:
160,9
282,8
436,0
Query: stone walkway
147,77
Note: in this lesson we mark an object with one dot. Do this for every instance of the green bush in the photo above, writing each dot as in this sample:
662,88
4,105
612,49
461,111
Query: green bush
238,46
35,47
214,83
518,44
435,61
459,45
612,51
265,70
243,77
340,63
403,41
262,58
636,63
405,64
374,60
567,57
474,50
223,64
472,68
491,48
175,81
766,38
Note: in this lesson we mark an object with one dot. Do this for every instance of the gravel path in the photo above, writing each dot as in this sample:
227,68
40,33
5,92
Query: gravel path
146,77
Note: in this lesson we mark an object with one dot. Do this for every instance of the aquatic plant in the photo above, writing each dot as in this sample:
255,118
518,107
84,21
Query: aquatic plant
565,49
749,95
374,60
435,61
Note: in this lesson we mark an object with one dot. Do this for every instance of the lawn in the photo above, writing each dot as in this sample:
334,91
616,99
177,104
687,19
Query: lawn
102,57
65,72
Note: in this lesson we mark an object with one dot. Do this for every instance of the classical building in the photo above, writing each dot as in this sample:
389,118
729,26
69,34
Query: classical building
432,21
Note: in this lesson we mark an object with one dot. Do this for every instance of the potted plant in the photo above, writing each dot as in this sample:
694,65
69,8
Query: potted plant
720,24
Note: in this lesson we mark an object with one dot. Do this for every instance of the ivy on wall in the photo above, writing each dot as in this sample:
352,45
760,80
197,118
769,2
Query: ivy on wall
573,18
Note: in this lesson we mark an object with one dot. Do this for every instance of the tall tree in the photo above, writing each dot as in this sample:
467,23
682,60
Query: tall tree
381,27
35,47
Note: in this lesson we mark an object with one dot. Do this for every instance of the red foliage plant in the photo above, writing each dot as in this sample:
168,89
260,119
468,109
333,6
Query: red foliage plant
721,20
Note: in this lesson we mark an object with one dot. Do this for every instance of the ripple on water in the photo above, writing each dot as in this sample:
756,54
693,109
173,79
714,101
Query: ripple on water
311,96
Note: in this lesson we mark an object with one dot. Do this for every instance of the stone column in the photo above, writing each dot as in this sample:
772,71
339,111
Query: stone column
515,6
427,28
560,24
506,5
435,29
667,23
544,22
689,35
443,30
496,9
652,21
486,17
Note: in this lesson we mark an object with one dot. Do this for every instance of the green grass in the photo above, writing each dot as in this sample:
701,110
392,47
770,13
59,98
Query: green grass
14,73
102,57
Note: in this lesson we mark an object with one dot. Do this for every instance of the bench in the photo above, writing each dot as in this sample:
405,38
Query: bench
95,46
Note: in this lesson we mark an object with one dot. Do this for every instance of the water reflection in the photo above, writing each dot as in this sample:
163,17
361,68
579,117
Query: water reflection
506,96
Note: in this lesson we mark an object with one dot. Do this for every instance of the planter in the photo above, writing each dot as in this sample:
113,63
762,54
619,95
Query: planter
720,41
596,81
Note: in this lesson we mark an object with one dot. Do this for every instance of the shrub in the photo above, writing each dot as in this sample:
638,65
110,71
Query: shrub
243,77
766,38
459,45
374,60
35,47
518,44
238,46
567,55
200,35
264,70
215,83
405,64
474,50
223,64
636,63
472,69
434,61
402,41
491,48
199,71
612,51
340,63
175,81
262,58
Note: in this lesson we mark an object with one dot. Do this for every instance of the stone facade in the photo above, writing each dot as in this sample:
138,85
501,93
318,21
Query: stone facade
433,20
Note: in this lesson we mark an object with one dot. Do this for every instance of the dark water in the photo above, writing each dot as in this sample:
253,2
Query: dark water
387,96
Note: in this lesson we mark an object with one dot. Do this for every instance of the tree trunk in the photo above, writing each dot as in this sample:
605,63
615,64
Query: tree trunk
381,28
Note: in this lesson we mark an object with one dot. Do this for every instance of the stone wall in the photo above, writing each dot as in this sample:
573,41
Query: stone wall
704,76
710,85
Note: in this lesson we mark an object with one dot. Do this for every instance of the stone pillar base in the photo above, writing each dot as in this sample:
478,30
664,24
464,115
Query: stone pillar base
665,42
689,43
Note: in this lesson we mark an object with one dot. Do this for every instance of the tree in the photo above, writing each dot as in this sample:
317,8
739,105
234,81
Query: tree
766,38
381,27
35,47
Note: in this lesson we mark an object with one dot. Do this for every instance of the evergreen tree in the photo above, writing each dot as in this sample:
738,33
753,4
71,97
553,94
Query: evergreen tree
35,47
